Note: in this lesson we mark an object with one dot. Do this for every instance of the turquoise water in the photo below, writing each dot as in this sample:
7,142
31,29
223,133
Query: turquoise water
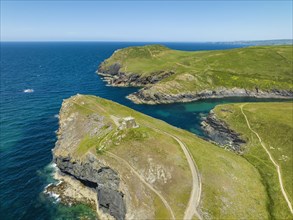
35,78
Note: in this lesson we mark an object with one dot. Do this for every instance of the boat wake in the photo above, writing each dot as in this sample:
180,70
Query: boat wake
28,91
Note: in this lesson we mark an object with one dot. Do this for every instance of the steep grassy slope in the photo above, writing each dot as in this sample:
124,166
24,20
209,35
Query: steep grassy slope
231,187
274,124
172,75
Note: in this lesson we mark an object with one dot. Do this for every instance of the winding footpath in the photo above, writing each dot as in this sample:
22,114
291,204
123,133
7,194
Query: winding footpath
195,194
194,199
271,158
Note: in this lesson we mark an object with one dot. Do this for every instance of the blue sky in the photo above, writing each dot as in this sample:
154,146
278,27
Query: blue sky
145,20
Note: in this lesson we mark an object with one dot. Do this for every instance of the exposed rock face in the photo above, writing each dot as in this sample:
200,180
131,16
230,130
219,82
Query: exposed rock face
114,77
147,96
219,132
88,169
92,173
111,202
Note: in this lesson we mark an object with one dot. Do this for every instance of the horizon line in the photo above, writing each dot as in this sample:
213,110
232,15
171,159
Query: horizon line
135,41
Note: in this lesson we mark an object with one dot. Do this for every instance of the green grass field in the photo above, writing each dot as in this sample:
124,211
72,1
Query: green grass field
274,124
261,67
232,188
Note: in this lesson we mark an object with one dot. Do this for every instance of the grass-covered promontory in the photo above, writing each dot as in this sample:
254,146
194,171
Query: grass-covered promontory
175,76
153,167
268,129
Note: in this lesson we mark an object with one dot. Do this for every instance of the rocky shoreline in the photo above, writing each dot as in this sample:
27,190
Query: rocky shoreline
144,96
93,175
70,191
115,77
220,133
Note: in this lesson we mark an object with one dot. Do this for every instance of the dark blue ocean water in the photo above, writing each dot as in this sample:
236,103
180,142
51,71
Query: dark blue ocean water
56,71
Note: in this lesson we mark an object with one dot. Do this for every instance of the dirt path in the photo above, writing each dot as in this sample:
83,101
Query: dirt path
271,158
194,199
143,180
151,53
180,64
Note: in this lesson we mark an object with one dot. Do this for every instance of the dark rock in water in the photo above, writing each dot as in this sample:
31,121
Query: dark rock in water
111,202
219,132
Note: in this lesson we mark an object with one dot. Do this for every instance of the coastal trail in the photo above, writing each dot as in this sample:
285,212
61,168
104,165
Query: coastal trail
195,194
271,158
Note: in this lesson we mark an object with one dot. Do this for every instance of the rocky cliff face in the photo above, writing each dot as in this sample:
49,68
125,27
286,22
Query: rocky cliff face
219,132
115,77
94,174
149,96
87,169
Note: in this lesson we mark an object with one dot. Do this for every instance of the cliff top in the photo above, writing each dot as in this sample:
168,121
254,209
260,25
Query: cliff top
268,129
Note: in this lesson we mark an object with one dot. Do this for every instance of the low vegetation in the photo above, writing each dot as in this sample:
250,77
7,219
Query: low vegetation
273,123
257,68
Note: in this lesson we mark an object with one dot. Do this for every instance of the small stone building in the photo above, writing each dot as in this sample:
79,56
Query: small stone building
128,122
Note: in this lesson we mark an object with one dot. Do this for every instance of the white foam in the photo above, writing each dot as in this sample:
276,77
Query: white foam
28,90
56,116
54,196
52,165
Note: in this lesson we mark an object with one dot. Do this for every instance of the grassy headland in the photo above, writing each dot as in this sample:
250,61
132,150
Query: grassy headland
175,76
231,187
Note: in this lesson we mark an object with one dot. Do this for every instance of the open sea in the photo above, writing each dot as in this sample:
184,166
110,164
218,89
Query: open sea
35,78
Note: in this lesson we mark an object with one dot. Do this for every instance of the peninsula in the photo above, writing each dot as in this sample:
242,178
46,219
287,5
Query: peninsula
168,76
127,165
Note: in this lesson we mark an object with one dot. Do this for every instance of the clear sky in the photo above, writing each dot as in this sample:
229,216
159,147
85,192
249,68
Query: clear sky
145,20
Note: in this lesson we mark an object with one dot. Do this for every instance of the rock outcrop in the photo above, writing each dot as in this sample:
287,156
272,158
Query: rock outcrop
219,132
115,77
94,174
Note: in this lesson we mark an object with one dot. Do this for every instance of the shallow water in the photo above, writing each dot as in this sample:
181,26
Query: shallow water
35,78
